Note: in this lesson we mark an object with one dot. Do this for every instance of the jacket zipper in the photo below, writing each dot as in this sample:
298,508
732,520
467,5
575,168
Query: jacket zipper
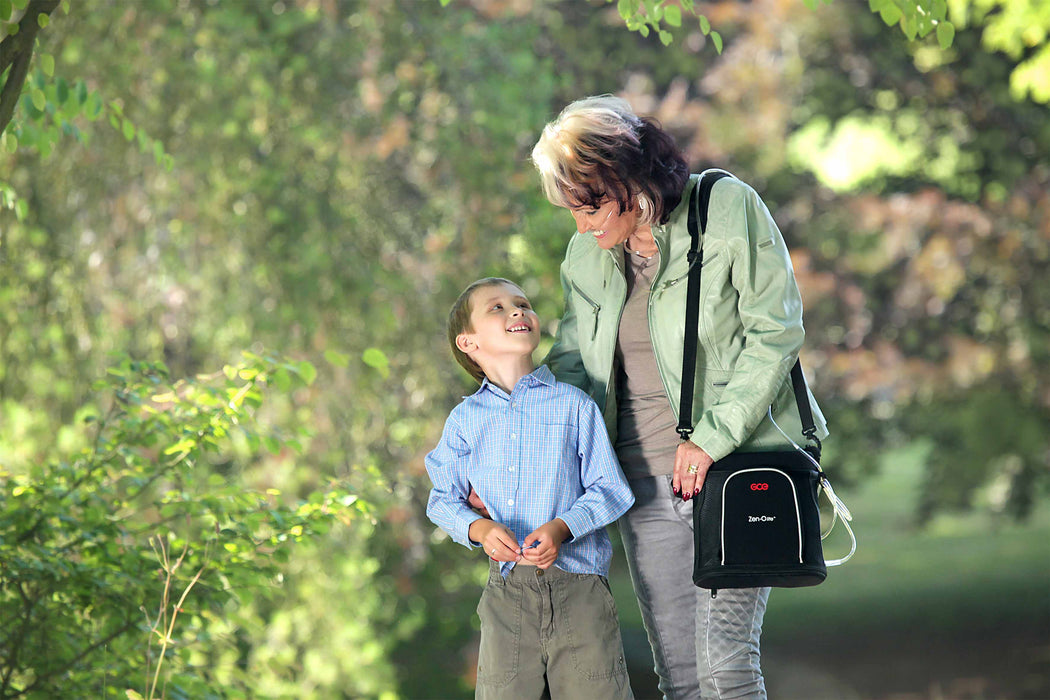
594,306
670,283
652,337
609,386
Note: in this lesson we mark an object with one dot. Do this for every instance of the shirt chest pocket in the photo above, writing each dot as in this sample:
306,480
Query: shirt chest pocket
554,457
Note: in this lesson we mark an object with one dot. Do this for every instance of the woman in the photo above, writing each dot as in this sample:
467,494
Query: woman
621,339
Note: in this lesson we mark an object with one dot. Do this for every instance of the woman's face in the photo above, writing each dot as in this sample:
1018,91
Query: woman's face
608,226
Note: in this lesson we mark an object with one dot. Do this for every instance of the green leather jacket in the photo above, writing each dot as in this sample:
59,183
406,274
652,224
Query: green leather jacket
750,323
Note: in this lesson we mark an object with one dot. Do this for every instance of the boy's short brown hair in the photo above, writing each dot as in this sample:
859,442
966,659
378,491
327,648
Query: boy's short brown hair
459,322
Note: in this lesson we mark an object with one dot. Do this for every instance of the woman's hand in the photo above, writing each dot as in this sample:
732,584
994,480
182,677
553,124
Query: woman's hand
499,542
687,481
541,545
477,504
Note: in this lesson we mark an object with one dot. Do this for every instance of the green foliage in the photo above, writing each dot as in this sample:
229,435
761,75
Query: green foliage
120,562
1018,28
49,107
892,133
645,16
18,41
343,168
917,18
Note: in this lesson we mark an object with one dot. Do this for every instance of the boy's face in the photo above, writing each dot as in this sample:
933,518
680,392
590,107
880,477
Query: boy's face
503,322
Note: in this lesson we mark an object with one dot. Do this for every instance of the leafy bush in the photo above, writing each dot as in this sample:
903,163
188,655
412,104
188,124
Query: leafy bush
115,563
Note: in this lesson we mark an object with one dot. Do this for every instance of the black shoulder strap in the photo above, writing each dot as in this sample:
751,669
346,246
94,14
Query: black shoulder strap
698,204
798,383
701,192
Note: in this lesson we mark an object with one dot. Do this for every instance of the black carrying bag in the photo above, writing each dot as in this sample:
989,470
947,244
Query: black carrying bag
756,521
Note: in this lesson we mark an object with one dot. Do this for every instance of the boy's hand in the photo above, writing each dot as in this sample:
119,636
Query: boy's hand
499,542
541,545
476,503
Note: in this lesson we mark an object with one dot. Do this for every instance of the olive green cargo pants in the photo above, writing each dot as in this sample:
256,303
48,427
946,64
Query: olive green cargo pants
549,634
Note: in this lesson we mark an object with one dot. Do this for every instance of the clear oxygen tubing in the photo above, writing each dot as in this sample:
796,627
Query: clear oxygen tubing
840,511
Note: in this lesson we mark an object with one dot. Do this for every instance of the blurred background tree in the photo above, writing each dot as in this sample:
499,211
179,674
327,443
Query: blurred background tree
334,171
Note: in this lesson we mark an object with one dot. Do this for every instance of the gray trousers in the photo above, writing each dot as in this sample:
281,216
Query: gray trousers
549,632
703,647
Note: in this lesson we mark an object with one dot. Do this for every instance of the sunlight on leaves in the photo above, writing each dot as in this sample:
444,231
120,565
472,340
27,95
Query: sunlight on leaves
376,359
856,150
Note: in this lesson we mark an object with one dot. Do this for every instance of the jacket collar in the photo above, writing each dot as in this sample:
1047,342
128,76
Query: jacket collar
662,232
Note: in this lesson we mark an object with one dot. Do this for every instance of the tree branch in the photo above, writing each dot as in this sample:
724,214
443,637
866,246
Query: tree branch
16,51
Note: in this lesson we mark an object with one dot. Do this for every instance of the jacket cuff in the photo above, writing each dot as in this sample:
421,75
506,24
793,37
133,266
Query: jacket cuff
712,442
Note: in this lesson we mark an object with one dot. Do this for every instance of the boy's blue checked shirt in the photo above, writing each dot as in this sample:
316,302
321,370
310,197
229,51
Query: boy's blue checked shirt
538,453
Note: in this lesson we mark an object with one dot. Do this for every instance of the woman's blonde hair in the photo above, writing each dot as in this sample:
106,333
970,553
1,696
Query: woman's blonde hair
598,149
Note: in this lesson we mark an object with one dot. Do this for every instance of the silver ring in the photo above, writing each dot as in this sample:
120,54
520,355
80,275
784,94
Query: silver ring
693,469
493,551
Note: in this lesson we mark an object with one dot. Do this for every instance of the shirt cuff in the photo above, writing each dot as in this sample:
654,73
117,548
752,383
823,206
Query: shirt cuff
577,525
465,524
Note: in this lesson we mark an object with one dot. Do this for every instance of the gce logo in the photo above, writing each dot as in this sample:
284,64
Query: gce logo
759,487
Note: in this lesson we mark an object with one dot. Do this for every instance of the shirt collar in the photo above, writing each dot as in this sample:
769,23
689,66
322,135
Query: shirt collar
540,375
543,375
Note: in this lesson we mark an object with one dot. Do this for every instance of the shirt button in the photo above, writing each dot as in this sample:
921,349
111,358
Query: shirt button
510,469
539,572
513,436
510,502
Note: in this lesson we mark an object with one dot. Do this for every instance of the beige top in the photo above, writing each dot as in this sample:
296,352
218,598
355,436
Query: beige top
646,439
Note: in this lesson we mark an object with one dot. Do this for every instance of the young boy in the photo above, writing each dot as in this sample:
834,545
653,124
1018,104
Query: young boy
537,453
